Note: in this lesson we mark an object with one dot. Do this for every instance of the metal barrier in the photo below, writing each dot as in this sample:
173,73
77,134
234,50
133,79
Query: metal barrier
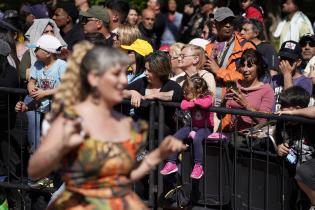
245,178
231,180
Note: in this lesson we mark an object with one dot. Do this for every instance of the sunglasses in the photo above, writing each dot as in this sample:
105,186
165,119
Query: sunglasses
84,20
310,43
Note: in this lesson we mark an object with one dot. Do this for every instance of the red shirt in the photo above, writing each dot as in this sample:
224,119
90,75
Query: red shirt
254,13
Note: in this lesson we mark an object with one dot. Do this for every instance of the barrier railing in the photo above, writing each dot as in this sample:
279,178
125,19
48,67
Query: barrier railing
235,177
243,165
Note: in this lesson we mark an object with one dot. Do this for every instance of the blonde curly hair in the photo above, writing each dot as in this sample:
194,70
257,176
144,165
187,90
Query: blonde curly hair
69,90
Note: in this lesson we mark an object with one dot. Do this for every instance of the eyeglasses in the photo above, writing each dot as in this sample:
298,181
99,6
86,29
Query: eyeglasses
310,43
182,56
173,57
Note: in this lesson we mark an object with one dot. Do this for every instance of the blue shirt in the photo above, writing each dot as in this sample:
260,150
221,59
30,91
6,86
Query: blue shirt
47,79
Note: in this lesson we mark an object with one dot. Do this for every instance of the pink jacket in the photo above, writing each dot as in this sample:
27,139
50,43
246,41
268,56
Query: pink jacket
200,117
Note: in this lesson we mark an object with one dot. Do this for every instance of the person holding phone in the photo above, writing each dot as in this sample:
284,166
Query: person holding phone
250,93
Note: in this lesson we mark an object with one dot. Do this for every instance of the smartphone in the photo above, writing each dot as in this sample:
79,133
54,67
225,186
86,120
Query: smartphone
231,84
291,157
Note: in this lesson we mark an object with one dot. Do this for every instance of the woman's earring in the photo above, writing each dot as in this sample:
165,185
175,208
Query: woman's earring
95,95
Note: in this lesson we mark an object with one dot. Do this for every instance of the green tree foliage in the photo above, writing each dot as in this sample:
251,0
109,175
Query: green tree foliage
97,2
139,4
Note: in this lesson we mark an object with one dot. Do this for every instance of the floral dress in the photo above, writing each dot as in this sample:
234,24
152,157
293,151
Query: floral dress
96,174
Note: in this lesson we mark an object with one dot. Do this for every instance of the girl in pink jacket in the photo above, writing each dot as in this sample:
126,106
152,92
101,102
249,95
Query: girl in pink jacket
197,100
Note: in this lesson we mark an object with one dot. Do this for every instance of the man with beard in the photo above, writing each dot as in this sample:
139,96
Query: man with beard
295,24
307,43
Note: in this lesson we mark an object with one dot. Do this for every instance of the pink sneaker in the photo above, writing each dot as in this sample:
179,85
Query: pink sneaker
217,135
197,172
192,134
169,168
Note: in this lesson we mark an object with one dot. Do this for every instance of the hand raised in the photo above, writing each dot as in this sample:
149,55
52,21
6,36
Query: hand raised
169,146
73,134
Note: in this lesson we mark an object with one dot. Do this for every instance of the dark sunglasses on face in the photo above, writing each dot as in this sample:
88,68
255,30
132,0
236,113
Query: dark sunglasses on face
84,20
310,43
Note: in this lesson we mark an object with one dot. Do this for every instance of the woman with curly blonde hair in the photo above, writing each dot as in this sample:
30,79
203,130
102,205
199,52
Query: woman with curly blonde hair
92,145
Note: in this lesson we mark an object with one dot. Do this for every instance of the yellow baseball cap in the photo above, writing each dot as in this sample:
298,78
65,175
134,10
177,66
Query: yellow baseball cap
140,46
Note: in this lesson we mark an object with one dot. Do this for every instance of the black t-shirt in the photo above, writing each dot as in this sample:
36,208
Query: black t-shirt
8,78
75,35
159,26
140,86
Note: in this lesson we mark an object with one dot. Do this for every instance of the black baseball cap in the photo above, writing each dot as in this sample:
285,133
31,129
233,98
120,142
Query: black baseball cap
307,38
291,50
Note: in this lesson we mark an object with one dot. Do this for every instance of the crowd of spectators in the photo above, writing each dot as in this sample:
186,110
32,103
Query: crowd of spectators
204,56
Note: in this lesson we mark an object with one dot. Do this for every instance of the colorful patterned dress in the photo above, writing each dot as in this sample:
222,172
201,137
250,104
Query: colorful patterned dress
96,174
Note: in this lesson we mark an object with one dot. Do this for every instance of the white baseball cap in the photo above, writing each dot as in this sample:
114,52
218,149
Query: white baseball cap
48,43
199,42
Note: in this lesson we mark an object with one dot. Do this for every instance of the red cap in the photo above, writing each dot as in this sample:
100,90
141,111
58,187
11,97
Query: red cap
165,48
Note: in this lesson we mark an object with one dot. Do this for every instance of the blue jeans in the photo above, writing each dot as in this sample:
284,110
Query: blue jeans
33,126
201,134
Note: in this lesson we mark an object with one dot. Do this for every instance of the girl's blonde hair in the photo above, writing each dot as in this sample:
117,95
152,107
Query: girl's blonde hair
196,86
68,92
128,34
197,51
